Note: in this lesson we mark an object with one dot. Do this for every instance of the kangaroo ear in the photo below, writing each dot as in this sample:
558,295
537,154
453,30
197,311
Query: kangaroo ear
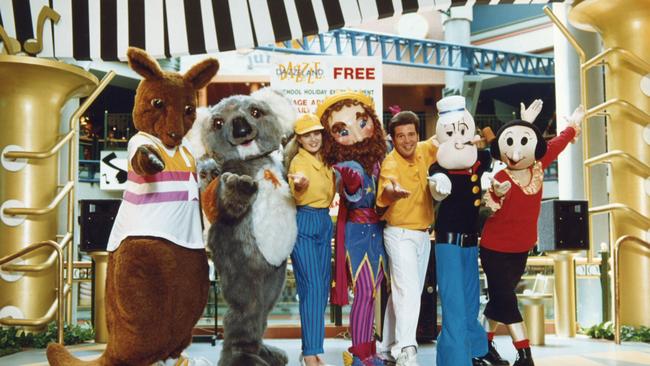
143,64
201,74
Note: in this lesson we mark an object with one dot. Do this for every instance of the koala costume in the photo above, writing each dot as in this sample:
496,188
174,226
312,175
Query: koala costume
255,228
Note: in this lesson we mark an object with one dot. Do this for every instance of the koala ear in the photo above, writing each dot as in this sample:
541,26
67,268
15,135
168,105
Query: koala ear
143,64
201,74
281,105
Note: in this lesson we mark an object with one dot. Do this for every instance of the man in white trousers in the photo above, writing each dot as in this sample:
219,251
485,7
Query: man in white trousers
404,191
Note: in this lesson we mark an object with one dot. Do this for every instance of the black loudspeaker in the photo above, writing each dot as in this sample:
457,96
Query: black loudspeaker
563,225
96,222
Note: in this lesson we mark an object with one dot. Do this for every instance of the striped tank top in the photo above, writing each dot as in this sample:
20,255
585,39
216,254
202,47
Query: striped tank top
164,205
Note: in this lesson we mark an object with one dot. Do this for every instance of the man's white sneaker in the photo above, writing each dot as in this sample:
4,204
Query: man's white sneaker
408,357
387,358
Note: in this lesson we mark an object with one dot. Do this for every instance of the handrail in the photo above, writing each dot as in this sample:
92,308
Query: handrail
628,56
545,261
73,156
37,267
617,288
609,208
60,288
33,322
565,31
37,321
41,211
40,154
627,158
643,118
90,99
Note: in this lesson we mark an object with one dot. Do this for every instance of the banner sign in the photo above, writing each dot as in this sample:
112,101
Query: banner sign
307,80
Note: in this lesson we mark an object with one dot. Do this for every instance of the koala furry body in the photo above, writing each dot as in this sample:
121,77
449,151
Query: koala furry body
256,226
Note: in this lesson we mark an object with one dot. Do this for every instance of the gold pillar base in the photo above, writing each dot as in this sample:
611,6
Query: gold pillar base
565,292
100,267
534,317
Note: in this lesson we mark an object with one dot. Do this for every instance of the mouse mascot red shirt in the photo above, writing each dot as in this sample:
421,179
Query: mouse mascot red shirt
515,197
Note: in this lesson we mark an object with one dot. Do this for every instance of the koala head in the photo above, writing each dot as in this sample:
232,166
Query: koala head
242,128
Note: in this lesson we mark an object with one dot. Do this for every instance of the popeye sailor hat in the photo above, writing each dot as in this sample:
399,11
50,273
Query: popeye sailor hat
450,109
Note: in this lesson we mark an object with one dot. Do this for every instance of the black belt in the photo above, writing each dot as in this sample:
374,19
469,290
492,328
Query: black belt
461,239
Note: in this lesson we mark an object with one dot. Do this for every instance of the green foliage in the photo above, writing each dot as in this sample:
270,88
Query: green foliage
12,339
8,341
630,334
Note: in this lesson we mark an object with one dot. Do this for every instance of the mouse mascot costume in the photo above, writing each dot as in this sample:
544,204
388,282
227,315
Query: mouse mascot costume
354,145
515,198
457,173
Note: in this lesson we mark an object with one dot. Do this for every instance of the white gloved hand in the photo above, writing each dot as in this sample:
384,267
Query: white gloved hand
500,188
529,114
575,121
440,186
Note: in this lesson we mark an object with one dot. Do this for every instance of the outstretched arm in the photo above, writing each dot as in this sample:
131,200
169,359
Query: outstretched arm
388,188
349,180
569,134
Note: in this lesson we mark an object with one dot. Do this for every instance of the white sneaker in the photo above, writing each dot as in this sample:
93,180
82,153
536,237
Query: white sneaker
408,357
184,360
320,361
387,357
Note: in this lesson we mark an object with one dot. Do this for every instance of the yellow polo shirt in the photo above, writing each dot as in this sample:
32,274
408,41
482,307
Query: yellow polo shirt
320,192
415,211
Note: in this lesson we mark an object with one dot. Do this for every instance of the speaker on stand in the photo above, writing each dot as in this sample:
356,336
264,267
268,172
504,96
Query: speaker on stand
563,231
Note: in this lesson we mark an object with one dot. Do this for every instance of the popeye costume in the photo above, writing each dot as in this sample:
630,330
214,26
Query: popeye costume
457,229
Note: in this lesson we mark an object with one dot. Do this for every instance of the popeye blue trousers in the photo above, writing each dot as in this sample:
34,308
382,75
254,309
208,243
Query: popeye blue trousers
462,336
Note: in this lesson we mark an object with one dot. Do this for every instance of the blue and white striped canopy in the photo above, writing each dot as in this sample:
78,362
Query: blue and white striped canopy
104,29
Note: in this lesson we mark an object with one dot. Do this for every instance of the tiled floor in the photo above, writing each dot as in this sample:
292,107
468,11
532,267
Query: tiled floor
579,351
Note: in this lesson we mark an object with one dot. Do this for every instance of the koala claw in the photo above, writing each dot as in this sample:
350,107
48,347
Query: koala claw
239,183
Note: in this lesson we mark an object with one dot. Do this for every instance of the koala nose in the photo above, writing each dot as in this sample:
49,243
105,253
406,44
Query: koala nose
240,127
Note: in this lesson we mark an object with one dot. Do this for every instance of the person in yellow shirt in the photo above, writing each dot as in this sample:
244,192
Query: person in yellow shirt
312,185
404,191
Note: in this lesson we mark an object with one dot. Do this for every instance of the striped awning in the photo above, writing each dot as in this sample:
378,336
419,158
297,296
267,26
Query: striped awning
104,29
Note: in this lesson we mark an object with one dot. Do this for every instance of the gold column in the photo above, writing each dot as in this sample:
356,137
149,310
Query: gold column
565,293
534,317
32,93
624,26
100,266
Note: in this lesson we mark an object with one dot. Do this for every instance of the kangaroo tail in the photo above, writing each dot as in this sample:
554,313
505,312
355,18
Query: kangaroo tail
58,355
